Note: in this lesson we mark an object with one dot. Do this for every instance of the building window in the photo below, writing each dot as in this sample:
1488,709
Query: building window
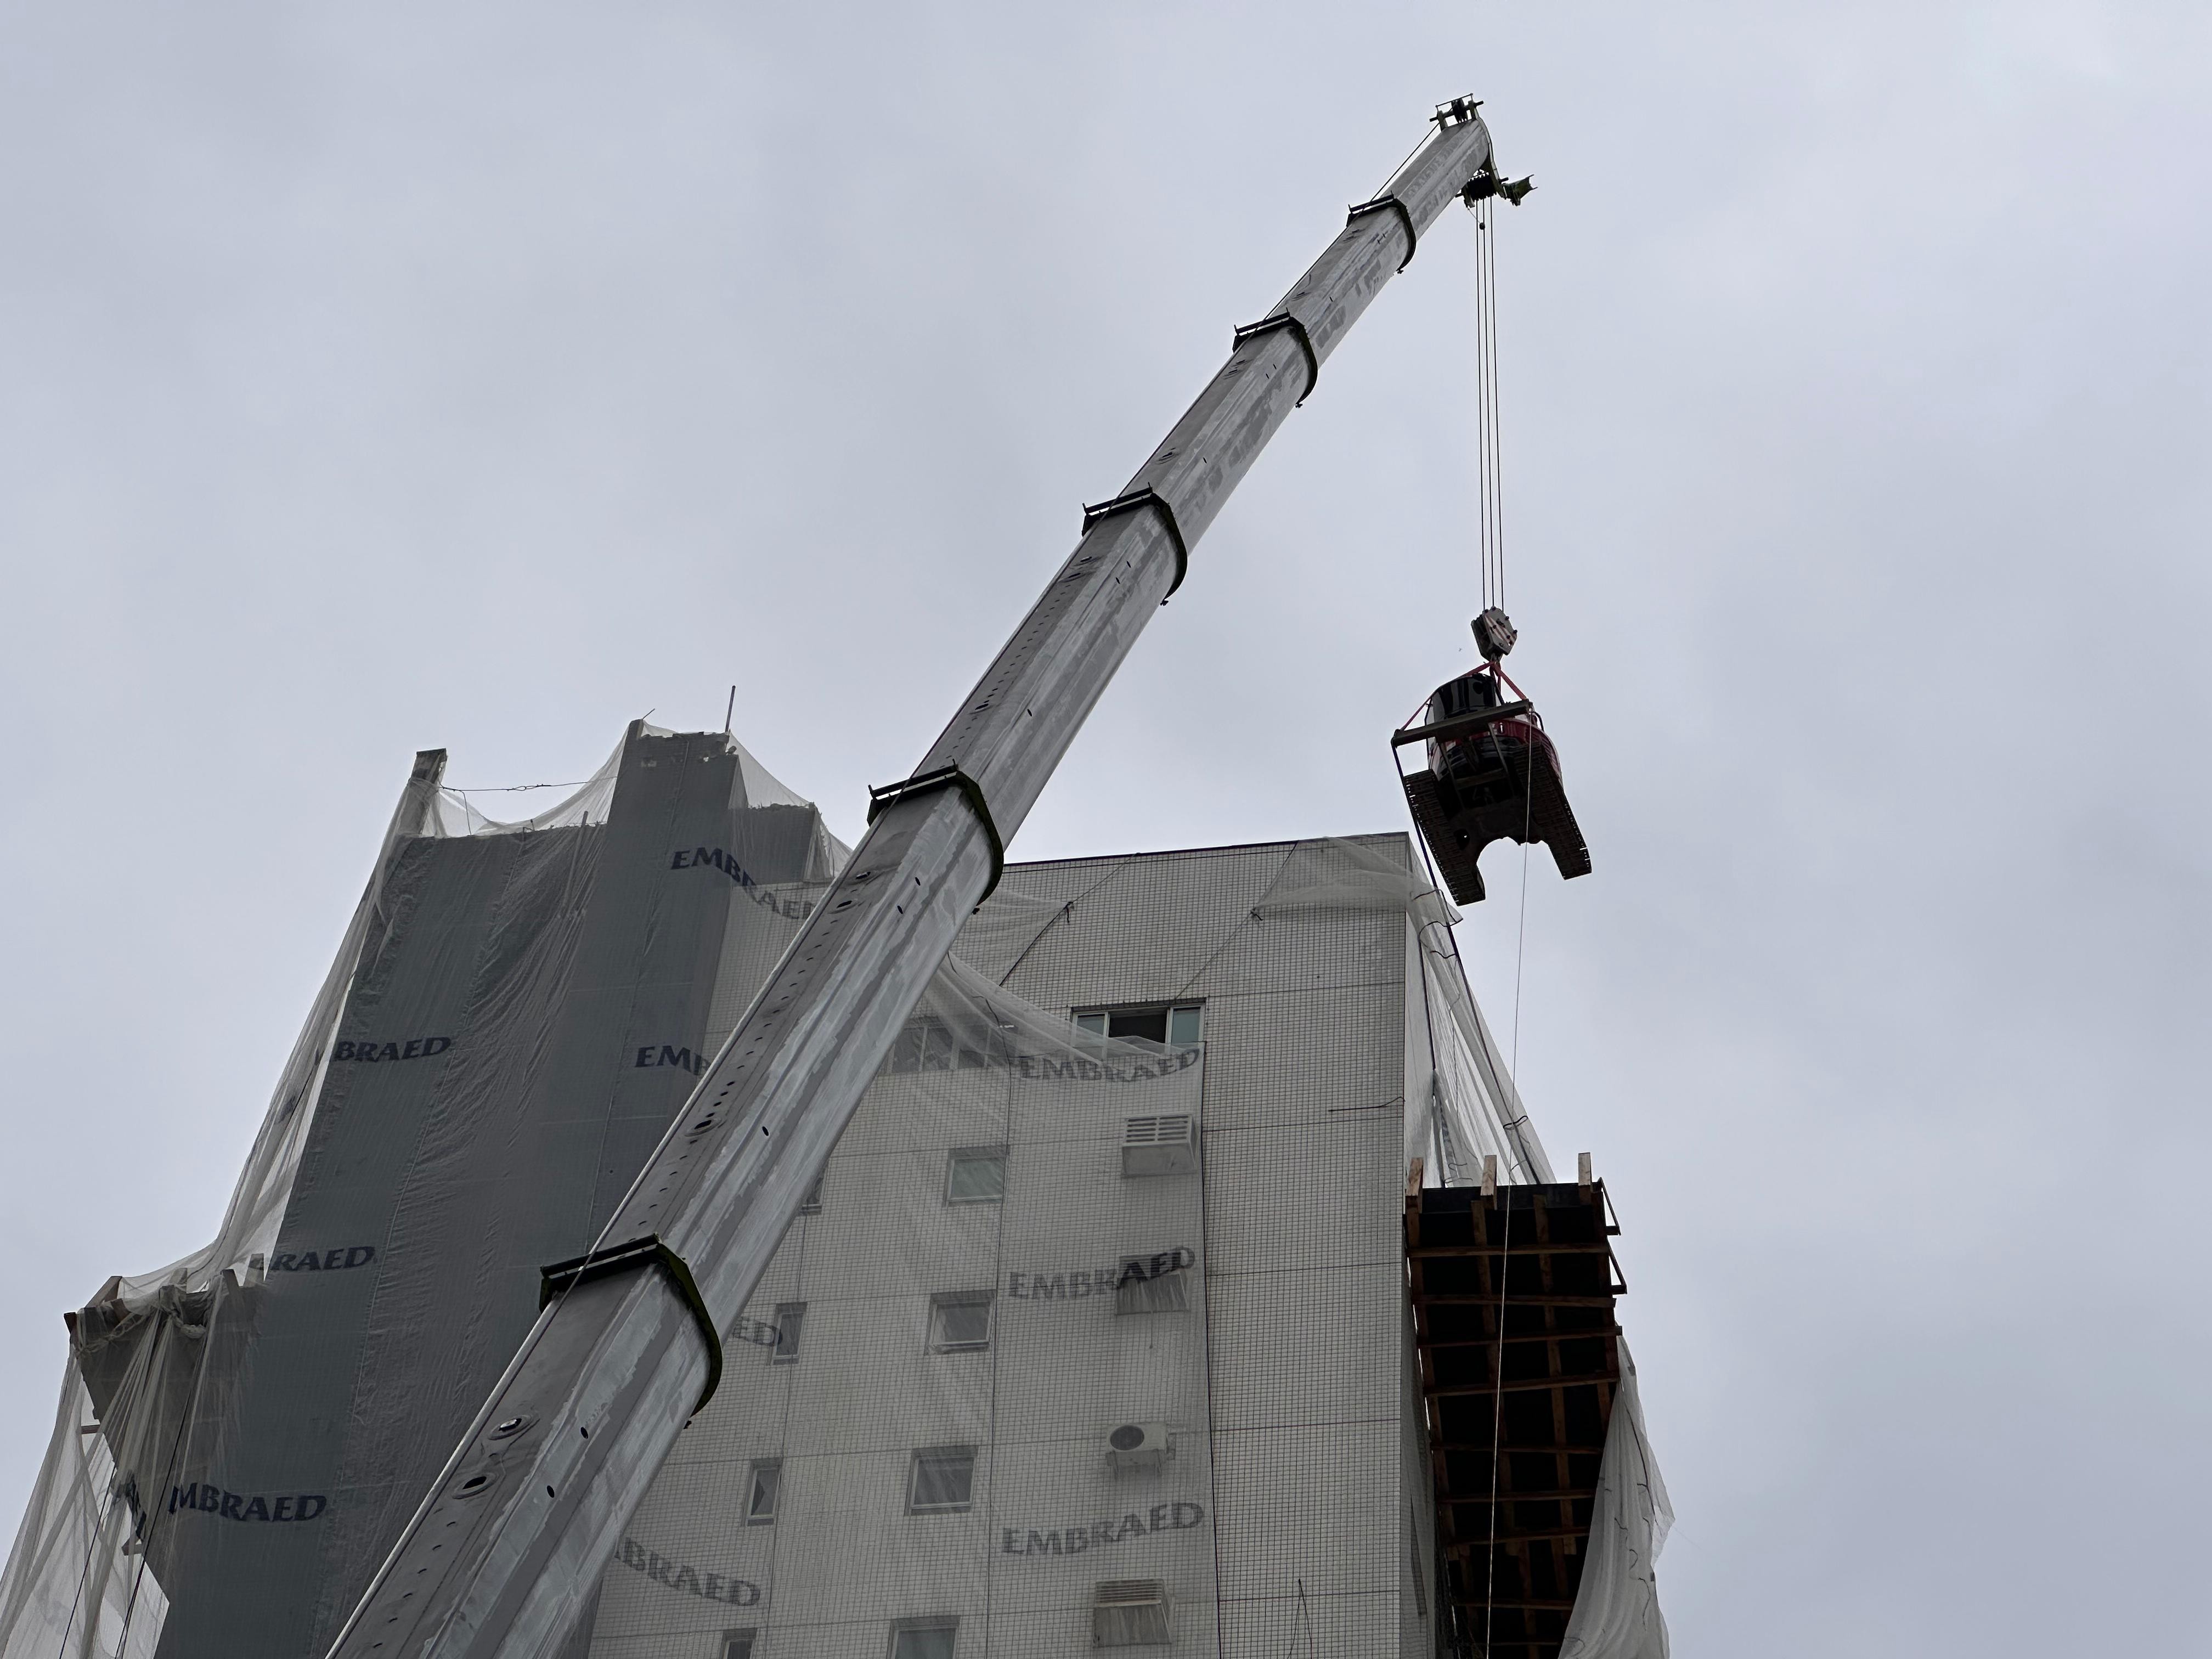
924,1638
942,1481
975,1174
811,1204
1130,1613
960,1321
1177,1025
767,1484
738,1643
1153,1284
789,1316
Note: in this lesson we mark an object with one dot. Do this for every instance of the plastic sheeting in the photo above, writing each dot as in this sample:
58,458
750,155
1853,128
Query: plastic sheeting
1474,1110
515,1012
1011,1260
1462,1105
1616,1613
917,1410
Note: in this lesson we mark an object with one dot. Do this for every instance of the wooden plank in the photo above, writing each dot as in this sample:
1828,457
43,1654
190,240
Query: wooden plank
1480,1546
1598,1333
1533,1299
1537,1247
1529,1385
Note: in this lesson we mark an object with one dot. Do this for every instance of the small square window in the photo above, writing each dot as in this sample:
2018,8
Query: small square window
789,1316
738,1643
1183,1025
975,1174
767,1484
942,1480
1094,1024
960,1321
925,1639
811,1204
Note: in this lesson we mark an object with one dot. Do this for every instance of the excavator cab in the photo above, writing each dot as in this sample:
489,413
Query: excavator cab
1493,773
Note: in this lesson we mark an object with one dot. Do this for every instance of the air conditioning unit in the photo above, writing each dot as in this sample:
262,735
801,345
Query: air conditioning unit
1130,1613
1133,1448
1164,1145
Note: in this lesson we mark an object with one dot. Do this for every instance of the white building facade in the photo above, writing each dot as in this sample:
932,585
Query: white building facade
1098,1334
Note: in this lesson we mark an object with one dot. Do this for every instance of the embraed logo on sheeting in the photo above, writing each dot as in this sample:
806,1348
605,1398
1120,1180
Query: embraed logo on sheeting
1076,1536
709,1586
931,1044
337,1259
1133,1270
700,858
369,1053
208,1498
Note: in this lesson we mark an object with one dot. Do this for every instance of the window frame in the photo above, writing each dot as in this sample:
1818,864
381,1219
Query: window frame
740,1644
958,1156
941,1300
773,1468
1105,1014
926,1454
930,1623
790,1328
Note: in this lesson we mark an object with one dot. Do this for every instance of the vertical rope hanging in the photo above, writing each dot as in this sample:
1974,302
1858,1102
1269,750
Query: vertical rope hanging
1491,516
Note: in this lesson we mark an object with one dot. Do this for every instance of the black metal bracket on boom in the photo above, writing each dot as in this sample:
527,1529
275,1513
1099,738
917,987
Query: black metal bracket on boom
1144,495
647,1252
1282,320
884,796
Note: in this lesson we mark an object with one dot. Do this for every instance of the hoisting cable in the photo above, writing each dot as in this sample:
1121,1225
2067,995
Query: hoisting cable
1489,455
1491,537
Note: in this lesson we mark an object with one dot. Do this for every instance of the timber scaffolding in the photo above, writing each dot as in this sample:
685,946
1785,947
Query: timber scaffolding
1513,1294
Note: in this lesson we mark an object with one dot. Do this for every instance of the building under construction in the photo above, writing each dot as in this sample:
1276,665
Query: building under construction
676,1235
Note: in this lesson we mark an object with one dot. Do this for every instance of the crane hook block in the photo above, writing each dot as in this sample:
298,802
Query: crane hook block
1494,634
1493,775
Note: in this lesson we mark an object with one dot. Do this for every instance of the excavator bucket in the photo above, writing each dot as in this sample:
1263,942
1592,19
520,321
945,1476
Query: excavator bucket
1493,775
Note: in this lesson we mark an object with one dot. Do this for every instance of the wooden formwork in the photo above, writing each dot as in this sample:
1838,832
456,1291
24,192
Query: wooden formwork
1513,1315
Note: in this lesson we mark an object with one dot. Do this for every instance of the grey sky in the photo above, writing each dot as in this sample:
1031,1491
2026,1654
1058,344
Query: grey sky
385,377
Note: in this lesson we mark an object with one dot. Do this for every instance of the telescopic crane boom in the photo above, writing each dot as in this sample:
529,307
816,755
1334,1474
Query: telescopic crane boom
500,1560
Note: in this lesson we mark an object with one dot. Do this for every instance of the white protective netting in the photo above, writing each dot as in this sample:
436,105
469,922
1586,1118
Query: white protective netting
1012,1259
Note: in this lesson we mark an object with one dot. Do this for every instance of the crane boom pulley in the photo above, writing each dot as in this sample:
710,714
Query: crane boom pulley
500,1559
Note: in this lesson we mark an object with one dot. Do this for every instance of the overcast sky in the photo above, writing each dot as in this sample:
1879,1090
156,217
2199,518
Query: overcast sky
483,376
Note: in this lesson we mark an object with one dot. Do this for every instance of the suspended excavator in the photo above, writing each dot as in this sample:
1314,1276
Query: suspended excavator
1493,773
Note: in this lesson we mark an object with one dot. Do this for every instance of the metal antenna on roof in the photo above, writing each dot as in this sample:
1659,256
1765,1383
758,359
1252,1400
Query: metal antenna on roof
730,714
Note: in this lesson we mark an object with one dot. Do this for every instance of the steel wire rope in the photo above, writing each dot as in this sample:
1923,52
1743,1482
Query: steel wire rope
1491,539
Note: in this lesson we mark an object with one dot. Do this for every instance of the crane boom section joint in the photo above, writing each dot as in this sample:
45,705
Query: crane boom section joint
1146,496
1282,320
881,797
647,1252
1390,204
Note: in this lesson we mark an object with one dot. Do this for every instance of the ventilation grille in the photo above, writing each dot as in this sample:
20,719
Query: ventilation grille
1164,1145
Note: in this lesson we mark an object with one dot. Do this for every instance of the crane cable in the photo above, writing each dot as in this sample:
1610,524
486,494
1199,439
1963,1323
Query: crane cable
1490,533
1491,546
